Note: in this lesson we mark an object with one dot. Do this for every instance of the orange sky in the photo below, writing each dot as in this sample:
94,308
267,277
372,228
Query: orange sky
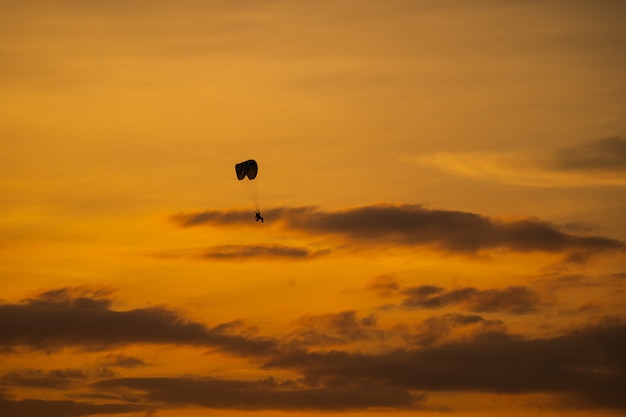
443,186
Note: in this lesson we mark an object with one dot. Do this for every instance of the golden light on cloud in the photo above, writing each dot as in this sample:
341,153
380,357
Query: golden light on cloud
597,163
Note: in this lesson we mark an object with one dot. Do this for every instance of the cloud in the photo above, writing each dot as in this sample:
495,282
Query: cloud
514,299
260,251
73,317
566,167
50,408
414,225
586,309
511,299
212,217
335,329
586,364
119,360
619,276
602,155
451,352
52,379
444,329
559,281
246,252
266,394
383,286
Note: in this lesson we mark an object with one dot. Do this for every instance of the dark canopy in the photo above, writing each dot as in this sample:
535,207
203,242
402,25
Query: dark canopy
247,168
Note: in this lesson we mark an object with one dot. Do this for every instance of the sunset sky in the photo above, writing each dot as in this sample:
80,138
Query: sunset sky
443,185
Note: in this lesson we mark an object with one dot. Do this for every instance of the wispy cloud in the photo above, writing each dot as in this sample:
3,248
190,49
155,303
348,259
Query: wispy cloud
266,394
245,252
415,225
510,299
336,329
61,408
214,217
120,360
52,379
598,162
514,300
384,285
602,155
454,327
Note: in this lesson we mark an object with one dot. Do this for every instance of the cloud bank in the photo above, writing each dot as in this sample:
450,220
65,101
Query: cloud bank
584,366
412,225
581,367
61,408
266,394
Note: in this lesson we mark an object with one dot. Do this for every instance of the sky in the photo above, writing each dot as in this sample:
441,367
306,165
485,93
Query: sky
443,185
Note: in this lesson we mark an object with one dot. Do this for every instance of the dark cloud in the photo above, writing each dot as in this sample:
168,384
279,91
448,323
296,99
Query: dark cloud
35,407
260,251
53,379
585,367
579,227
415,225
335,329
244,252
586,363
586,308
451,352
558,281
267,394
384,285
120,360
602,155
514,299
619,276
443,329
212,217
577,257
64,317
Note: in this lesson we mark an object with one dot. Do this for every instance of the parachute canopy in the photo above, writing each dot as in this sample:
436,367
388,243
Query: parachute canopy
247,168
